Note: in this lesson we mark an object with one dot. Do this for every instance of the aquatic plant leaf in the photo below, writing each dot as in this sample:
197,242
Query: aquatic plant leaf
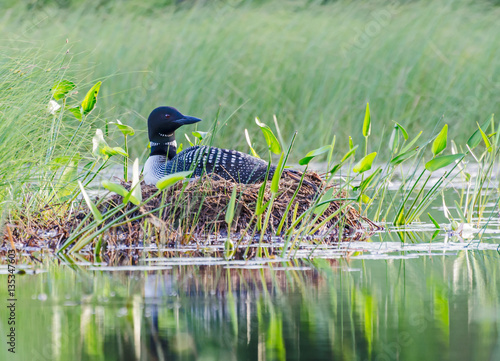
247,137
189,140
179,148
394,140
90,100
365,163
313,153
436,224
115,188
413,141
277,175
440,142
200,135
326,196
442,161
367,123
230,208
67,182
93,209
350,153
402,130
136,191
171,179
351,144
61,88
476,137
125,129
271,140
77,112
365,183
400,158
485,139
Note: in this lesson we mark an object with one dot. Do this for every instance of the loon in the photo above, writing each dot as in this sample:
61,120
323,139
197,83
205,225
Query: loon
164,159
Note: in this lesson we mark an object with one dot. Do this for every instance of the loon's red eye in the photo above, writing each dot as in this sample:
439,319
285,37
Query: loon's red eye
167,116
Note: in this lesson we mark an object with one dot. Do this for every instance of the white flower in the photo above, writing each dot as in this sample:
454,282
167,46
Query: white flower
53,106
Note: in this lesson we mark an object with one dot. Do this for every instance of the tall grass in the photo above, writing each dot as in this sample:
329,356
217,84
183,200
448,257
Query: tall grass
313,66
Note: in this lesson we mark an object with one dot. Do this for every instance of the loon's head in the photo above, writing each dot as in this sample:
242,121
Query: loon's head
164,121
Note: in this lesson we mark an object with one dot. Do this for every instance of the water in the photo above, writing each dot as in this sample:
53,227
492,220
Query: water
405,294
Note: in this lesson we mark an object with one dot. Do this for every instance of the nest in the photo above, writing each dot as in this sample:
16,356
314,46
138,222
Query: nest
188,212
200,207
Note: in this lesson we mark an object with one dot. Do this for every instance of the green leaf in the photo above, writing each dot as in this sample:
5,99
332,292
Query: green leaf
326,196
77,112
93,209
365,183
90,100
413,141
401,157
179,148
440,142
230,208
136,191
61,88
433,221
271,140
367,124
313,153
351,144
277,175
486,140
115,188
125,129
200,135
189,140
442,161
402,130
476,137
394,140
247,137
171,179
365,163
349,154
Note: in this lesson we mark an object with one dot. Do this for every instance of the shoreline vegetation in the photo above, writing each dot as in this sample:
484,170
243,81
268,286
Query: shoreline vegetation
67,116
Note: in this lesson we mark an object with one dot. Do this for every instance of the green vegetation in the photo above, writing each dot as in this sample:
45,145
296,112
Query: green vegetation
314,66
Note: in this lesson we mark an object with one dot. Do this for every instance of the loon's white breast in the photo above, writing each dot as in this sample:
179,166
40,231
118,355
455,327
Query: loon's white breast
154,169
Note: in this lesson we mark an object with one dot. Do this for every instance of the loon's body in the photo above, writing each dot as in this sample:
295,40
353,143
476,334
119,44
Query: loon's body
226,163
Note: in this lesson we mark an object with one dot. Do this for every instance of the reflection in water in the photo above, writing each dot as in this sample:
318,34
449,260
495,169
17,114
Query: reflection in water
431,307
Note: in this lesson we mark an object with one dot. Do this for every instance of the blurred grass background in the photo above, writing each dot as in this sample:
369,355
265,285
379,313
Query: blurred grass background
313,64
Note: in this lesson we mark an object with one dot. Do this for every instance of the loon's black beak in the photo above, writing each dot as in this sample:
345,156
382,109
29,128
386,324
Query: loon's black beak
187,120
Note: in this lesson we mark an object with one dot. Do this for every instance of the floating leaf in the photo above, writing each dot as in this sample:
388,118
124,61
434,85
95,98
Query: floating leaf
440,142
95,212
171,179
442,161
61,88
90,100
314,153
367,124
271,140
365,163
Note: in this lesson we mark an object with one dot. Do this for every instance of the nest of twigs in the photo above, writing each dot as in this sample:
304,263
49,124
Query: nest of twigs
200,207
195,211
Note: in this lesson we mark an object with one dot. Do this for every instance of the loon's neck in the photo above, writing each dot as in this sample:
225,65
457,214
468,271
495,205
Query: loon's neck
167,147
